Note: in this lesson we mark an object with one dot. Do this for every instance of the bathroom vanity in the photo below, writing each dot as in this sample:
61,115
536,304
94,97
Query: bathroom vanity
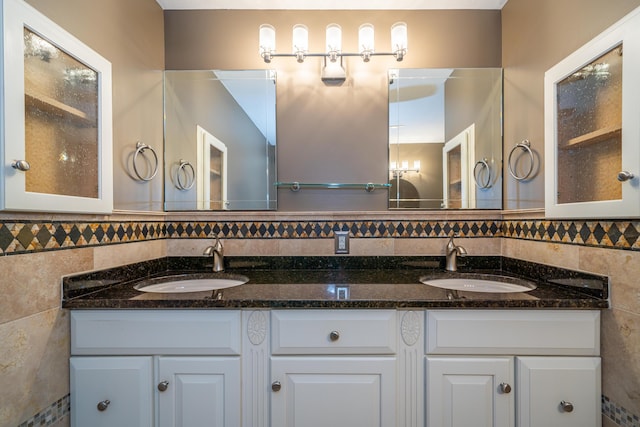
362,347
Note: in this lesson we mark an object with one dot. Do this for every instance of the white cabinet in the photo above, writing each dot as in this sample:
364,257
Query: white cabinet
524,368
346,368
111,391
333,391
558,391
185,370
198,391
56,130
470,391
592,131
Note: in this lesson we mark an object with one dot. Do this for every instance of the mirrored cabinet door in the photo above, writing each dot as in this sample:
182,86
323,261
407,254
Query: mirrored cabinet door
57,118
593,127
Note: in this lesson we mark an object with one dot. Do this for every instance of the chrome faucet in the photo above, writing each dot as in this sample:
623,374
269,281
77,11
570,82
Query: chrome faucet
217,251
452,251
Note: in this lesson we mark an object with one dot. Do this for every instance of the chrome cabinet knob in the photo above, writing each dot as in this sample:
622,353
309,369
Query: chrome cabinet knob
566,406
163,386
102,406
276,386
334,336
625,176
21,165
505,388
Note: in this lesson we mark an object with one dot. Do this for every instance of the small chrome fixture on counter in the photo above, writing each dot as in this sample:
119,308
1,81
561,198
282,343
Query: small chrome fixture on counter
332,69
217,251
452,251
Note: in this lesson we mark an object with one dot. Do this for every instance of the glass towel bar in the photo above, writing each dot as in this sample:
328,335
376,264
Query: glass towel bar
296,186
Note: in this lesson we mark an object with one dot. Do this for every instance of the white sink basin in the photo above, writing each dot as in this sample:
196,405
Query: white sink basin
192,285
478,285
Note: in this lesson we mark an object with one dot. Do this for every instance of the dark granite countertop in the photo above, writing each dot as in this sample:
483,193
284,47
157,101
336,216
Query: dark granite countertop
320,282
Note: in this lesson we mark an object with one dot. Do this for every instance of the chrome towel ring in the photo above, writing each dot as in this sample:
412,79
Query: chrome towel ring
477,173
524,146
140,149
187,173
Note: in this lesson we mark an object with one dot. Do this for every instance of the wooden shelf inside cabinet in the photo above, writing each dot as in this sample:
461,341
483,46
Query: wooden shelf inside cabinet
53,106
594,137
456,182
215,172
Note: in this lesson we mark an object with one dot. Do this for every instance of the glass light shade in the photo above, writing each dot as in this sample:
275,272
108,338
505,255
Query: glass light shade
392,166
267,38
398,36
334,38
300,38
416,165
405,165
365,38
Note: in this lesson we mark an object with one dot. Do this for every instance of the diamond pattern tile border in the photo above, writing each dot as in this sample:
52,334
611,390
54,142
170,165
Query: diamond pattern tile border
31,236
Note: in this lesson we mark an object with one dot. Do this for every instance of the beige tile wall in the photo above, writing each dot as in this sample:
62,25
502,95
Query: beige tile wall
34,330
620,342
325,247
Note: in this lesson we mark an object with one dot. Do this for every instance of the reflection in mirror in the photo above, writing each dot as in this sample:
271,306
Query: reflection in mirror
220,140
445,138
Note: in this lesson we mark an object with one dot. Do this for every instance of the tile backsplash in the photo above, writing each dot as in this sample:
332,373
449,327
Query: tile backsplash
30,236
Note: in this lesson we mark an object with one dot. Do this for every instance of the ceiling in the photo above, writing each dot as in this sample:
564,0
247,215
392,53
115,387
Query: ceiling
332,4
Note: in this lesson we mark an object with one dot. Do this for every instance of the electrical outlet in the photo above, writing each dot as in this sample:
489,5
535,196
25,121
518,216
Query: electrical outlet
342,242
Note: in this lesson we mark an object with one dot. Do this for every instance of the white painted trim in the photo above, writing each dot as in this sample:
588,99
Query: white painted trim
333,4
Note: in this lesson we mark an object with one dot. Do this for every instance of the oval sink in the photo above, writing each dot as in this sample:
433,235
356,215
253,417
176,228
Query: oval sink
480,285
189,284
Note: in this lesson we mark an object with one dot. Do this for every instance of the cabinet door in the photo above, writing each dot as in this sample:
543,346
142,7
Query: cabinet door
470,391
592,128
198,391
333,391
56,131
558,391
111,391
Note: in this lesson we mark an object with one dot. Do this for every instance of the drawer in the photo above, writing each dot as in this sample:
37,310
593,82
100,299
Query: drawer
137,332
333,332
514,332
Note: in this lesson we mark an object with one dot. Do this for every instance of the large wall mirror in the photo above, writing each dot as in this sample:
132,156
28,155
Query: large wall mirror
445,138
220,140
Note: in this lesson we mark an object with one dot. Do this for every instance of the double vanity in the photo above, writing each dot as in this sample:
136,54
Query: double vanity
341,341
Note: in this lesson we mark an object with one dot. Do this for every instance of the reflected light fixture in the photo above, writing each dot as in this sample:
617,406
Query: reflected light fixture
403,168
333,47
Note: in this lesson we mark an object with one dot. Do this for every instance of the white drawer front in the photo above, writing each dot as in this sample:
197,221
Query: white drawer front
517,332
197,332
310,332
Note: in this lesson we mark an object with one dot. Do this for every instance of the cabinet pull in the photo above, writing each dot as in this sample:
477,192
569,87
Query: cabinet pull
21,165
276,386
102,406
566,406
334,336
622,176
163,386
505,388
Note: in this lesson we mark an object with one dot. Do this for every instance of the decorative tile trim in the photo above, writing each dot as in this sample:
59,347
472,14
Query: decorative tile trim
50,415
32,236
607,234
618,414
325,229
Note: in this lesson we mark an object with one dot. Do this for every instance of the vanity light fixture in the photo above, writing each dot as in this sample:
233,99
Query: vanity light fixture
404,168
333,51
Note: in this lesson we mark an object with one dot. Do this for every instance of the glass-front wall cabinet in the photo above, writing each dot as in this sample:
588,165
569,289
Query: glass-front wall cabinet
57,117
592,127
